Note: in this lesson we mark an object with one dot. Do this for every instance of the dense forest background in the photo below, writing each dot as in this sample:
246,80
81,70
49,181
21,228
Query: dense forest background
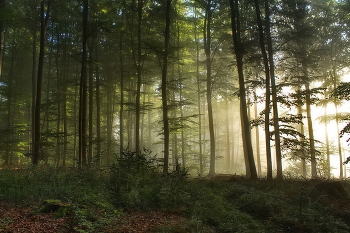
252,87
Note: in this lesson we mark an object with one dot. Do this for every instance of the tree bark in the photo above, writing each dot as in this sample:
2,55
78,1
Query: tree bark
246,135
198,101
43,21
207,48
267,95
257,141
164,87
301,130
121,110
98,107
2,29
34,68
91,101
274,92
139,76
83,90
228,141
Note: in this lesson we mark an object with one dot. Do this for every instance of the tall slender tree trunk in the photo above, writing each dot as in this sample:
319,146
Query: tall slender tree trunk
139,77
91,102
46,110
98,107
59,92
34,69
207,48
267,95
246,135
65,125
340,154
121,111
199,103
130,119
311,134
109,117
328,153
274,93
2,33
43,21
76,129
66,66
341,172
149,123
303,157
166,130
228,141
257,140
308,111
83,89
9,108
183,141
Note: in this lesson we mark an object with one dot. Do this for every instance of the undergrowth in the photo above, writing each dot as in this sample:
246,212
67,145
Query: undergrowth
99,197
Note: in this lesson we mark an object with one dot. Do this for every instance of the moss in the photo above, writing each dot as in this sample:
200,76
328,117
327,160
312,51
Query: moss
51,205
62,211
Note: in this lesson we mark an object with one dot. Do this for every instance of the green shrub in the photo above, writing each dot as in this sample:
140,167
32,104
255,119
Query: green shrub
137,182
209,206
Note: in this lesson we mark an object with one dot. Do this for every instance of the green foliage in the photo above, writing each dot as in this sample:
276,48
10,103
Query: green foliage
95,199
209,206
37,184
137,182
78,220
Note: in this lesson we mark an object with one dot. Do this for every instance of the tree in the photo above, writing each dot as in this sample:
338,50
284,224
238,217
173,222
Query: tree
43,22
164,86
274,91
209,7
246,137
267,95
83,89
2,28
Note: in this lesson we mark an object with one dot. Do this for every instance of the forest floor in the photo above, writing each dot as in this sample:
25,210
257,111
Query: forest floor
15,218
144,200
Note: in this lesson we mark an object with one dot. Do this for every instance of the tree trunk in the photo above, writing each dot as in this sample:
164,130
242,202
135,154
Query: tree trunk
33,91
303,160
121,110
274,93
308,113
341,173
109,116
43,21
164,87
257,140
328,153
59,92
2,29
149,123
247,143
199,102
228,142
267,95
83,89
183,141
98,108
139,76
207,48
91,102
9,109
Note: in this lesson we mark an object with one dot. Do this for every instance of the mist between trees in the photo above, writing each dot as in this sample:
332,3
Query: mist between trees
211,86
